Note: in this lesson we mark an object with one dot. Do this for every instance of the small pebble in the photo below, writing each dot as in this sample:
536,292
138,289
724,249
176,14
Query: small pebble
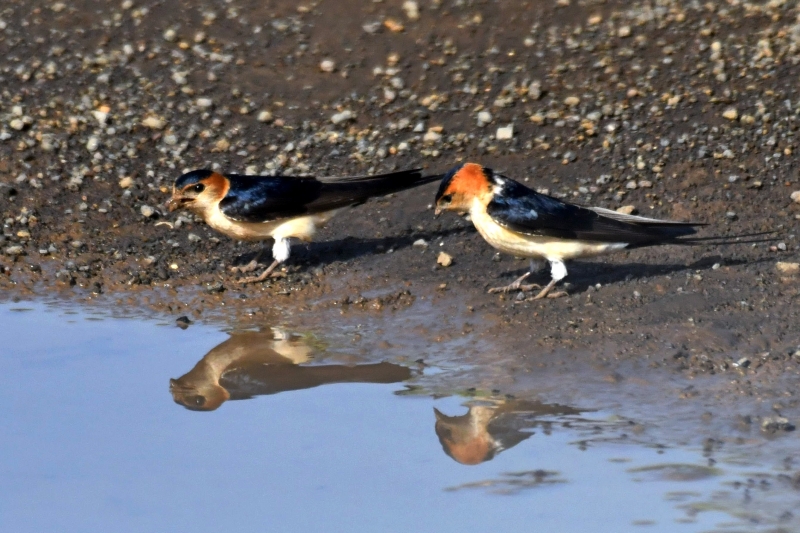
411,9
327,65
795,196
393,25
730,114
342,116
626,209
147,211
183,322
788,269
444,259
432,136
92,144
265,116
505,133
535,90
152,122
773,424
484,118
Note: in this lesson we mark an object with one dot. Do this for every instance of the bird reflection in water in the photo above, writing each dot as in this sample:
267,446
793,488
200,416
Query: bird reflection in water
255,363
492,426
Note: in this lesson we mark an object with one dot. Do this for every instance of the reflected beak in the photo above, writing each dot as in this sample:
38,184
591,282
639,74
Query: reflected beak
172,204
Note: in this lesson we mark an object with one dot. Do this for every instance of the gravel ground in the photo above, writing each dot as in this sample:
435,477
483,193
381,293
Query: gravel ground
681,110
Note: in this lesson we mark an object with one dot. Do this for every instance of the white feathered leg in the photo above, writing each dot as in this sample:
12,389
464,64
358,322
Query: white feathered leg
280,252
558,271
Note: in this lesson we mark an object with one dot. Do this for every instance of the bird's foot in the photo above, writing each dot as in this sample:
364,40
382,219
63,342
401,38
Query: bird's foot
551,295
269,272
545,293
249,267
516,286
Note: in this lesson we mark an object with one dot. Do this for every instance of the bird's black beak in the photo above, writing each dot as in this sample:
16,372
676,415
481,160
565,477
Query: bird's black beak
172,204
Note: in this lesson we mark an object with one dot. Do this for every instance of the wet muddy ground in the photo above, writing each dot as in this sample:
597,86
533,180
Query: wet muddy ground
680,110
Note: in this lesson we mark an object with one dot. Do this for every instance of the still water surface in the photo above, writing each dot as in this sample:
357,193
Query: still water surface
279,436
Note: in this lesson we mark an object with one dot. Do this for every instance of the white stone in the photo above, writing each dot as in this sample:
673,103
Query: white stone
431,136
342,116
93,144
790,269
154,123
412,9
505,133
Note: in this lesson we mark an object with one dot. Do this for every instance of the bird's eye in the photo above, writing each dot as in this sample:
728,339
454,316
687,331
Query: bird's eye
446,199
199,401
199,187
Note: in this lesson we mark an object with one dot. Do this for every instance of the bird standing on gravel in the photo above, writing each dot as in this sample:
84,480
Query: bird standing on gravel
519,221
256,208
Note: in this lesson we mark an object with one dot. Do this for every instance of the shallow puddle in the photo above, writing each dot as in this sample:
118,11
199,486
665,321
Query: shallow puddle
131,424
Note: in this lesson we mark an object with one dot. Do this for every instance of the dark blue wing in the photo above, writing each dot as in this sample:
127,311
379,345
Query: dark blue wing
526,211
265,198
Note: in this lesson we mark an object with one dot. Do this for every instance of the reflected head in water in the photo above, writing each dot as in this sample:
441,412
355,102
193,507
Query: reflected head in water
490,427
255,363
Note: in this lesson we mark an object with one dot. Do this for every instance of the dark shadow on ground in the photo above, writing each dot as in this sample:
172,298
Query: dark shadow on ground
582,275
308,255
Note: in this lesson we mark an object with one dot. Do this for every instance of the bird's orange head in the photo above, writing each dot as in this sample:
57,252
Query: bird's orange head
197,395
198,190
464,438
461,186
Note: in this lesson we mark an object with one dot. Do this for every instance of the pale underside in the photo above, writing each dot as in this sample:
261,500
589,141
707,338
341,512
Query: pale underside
302,227
538,247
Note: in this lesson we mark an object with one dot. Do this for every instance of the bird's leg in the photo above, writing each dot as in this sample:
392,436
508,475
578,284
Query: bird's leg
535,266
280,251
252,265
558,271
517,285
264,275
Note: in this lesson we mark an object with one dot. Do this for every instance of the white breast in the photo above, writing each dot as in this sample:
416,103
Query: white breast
303,227
549,248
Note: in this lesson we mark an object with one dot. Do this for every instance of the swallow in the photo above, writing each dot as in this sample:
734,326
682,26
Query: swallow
256,208
519,221
486,430
254,363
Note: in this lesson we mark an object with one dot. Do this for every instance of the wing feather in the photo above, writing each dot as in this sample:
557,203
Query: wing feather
526,211
266,198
